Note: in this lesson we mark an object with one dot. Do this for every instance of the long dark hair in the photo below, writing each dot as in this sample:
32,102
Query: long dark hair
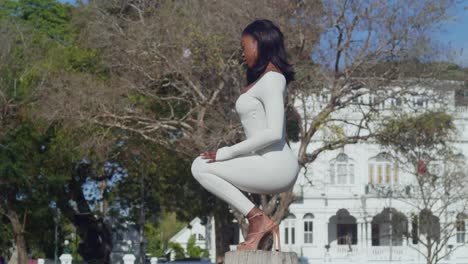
270,48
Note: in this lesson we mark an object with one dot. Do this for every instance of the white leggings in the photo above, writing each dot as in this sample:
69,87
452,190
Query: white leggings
251,173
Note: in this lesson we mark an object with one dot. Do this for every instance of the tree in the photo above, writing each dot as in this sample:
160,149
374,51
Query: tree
37,46
421,144
156,182
23,184
159,89
168,99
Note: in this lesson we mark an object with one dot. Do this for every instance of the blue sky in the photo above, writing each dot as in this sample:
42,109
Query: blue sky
454,32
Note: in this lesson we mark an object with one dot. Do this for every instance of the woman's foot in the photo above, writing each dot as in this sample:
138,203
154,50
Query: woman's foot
260,225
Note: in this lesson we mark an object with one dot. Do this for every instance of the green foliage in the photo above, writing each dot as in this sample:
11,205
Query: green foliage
166,178
158,237
81,60
48,16
205,49
21,155
408,132
6,237
41,38
178,250
195,251
26,185
155,244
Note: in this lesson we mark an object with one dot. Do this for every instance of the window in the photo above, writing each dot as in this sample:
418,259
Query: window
201,237
342,170
371,173
308,228
341,173
387,173
461,229
382,170
290,229
379,174
395,174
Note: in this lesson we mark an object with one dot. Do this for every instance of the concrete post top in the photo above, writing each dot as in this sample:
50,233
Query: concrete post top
66,257
129,257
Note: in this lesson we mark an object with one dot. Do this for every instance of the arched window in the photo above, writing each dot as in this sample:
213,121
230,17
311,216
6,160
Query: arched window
308,228
342,227
342,170
382,170
290,229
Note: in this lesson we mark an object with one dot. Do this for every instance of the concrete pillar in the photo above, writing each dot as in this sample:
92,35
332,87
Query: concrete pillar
360,232
66,259
409,241
154,260
369,233
129,259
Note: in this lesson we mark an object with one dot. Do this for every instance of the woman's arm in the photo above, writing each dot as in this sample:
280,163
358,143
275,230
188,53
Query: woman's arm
271,95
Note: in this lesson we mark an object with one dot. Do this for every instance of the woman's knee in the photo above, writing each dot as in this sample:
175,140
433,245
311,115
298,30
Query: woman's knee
198,166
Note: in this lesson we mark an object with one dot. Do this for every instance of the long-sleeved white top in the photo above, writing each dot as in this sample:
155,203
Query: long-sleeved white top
261,111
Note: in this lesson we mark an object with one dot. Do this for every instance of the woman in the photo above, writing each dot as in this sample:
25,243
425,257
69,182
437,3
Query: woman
263,163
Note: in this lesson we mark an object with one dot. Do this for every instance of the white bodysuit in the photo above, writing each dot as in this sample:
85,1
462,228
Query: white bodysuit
263,163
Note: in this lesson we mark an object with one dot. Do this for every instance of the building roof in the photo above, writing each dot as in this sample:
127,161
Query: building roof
195,221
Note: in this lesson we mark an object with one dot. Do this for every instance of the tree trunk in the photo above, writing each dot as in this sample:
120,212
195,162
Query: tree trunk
94,232
260,257
96,235
21,249
20,242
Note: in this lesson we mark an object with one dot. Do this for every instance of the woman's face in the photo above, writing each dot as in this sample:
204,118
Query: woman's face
249,50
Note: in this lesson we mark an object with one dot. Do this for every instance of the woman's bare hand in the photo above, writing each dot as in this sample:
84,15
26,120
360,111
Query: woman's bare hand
210,155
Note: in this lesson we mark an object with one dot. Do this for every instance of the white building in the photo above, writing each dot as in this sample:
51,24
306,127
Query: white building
204,237
343,212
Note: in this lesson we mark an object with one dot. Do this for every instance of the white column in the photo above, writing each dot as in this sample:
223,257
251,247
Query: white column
129,259
154,260
40,261
410,230
360,232
327,256
66,259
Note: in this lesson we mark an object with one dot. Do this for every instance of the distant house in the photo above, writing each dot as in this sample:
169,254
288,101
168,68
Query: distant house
205,237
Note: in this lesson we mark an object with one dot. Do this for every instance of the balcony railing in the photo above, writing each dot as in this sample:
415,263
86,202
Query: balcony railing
398,253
